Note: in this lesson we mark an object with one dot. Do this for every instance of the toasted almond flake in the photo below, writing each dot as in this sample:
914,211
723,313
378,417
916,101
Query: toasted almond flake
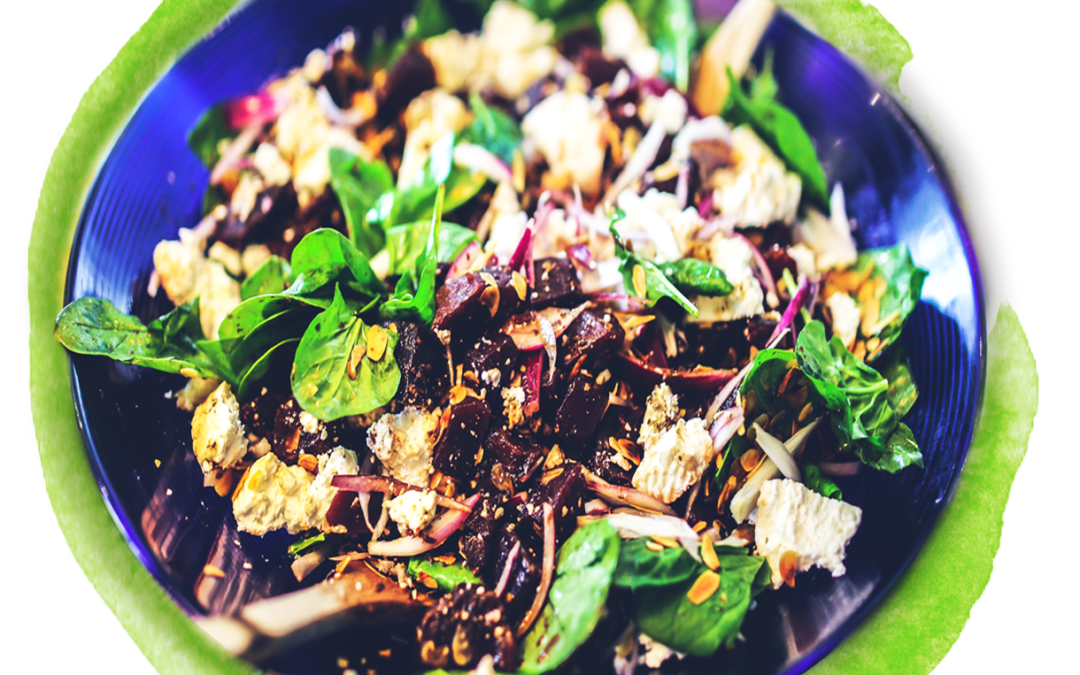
807,410
860,350
631,321
885,321
653,546
640,285
458,394
489,279
666,171
354,360
551,475
188,372
517,171
708,554
666,541
224,484
750,459
446,559
312,389
157,463
489,298
611,136
427,580
701,524
555,457
376,342
240,483
308,462
704,587
385,653
789,565
211,571
626,448
871,312
520,284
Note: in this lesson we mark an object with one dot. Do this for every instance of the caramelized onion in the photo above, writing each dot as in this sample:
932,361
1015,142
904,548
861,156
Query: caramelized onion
546,573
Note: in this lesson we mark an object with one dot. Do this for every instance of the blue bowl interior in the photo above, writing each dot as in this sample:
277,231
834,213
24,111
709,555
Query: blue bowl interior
151,184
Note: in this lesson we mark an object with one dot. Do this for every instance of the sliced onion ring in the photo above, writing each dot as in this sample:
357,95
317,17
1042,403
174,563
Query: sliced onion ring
624,496
776,451
388,485
547,572
440,530
840,468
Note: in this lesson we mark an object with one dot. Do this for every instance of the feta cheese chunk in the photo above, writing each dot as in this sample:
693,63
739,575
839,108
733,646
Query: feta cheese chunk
661,412
513,405
217,435
338,462
429,117
404,443
195,392
413,510
675,461
845,317
186,274
669,110
657,217
735,257
568,130
791,517
758,190
624,39
272,496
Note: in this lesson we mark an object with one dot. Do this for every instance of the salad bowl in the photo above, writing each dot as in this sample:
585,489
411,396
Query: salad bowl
150,185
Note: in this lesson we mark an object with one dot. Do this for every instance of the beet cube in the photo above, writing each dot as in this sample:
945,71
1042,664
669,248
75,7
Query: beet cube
510,459
258,413
622,424
293,435
456,453
593,335
422,362
480,530
458,302
524,570
581,408
566,494
345,510
556,283
493,352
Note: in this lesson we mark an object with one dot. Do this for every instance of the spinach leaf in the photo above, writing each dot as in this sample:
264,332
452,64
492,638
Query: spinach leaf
324,259
273,276
358,184
431,19
762,383
323,382
301,545
673,31
492,129
820,483
666,615
697,277
94,326
863,418
895,367
414,295
567,15
207,134
650,283
639,566
902,283
779,128
583,574
448,577
271,370
407,242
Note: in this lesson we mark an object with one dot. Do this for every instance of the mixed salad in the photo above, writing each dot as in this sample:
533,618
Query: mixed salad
535,324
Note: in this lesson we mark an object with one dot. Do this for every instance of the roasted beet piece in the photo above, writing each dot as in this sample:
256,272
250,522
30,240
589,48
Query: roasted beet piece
778,260
294,434
524,576
273,206
623,424
481,529
565,491
509,459
593,335
410,76
581,408
492,352
423,366
556,283
463,305
464,626
345,511
258,414
598,68
456,453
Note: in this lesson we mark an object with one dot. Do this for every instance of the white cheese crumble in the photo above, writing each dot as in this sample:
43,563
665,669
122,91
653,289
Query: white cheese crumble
268,162
791,517
735,257
830,238
309,423
804,260
217,435
568,130
623,38
513,405
413,510
845,317
195,392
669,110
651,217
656,653
338,462
253,257
227,256
429,117
404,443
675,461
185,274
661,412
758,189
272,496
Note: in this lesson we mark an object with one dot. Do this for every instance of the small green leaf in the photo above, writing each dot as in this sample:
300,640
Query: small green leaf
903,287
414,295
270,370
820,483
299,546
639,566
697,277
493,129
657,284
207,135
324,259
273,276
407,242
358,184
673,31
447,577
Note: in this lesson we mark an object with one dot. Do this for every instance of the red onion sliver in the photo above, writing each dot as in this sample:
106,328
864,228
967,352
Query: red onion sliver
682,185
546,572
231,157
764,274
624,496
633,302
725,426
480,159
353,117
511,558
581,257
639,163
254,110
388,485
307,563
524,247
705,207
840,468
530,382
464,261
798,299
440,530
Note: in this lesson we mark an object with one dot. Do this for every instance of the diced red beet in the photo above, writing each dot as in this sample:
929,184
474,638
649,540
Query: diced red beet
758,331
422,362
566,494
456,453
461,304
481,529
581,408
290,437
509,300
509,460
464,626
258,413
594,335
524,572
410,76
594,65
493,351
623,424
556,283
345,510
778,260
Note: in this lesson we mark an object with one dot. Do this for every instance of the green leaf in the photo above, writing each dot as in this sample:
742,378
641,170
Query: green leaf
576,601
431,19
894,366
673,31
358,184
901,451
326,258
321,382
94,326
666,615
903,287
447,577
780,129
493,129
269,370
301,545
657,284
697,277
414,295
407,242
639,566
820,483
273,276
207,135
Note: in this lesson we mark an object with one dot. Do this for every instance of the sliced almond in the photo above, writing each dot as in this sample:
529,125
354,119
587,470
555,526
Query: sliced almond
551,475
517,171
708,554
640,285
704,587
212,571
308,462
427,580
555,457
224,484
626,448
354,360
749,459
871,312
700,526
653,546
666,541
489,298
807,410
789,566
521,285
376,343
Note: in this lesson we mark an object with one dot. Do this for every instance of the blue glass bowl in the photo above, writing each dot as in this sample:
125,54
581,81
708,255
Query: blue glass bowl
151,184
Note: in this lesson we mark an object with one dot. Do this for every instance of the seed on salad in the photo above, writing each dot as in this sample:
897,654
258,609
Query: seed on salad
653,546
308,462
640,285
212,571
750,459
669,542
520,284
355,356
708,554
376,343
489,298
789,565
704,587
805,412
860,350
